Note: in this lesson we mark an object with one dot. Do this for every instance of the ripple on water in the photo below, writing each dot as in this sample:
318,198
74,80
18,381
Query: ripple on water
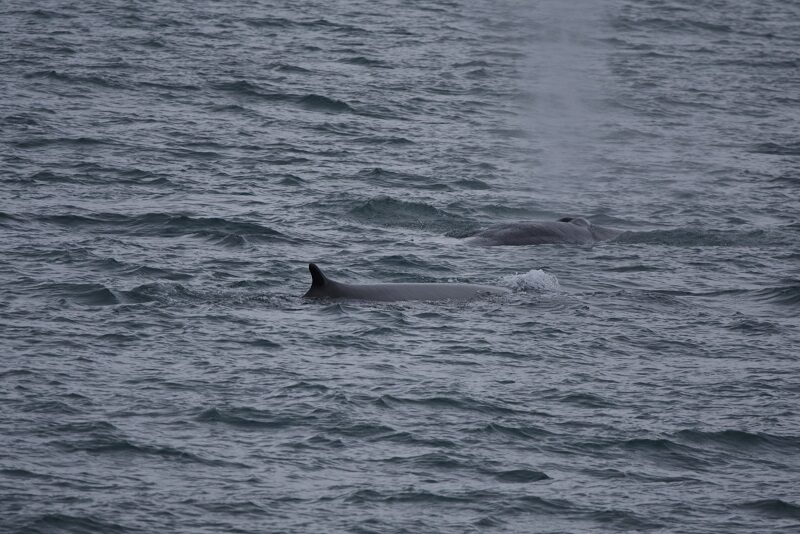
167,175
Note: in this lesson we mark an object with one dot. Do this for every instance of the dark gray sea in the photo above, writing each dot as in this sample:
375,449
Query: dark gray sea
170,168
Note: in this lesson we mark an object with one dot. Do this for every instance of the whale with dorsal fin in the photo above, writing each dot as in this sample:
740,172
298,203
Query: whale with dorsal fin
572,230
324,287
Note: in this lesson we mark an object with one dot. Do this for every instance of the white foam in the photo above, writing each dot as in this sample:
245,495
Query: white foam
533,280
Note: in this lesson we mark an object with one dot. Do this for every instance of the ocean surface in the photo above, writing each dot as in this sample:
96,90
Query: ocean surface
169,169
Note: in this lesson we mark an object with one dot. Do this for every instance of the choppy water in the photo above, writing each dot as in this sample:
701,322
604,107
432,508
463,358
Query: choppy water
168,171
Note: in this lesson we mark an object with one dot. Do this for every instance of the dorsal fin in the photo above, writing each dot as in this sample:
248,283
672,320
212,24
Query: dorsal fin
317,278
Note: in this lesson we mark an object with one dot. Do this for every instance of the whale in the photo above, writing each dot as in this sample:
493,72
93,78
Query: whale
324,287
571,230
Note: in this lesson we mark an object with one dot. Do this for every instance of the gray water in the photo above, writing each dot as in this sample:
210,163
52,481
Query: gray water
169,169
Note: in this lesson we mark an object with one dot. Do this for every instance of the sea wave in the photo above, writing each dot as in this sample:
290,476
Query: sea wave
324,103
694,237
77,79
738,440
777,149
774,508
786,295
247,418
389,211
50,523
167,225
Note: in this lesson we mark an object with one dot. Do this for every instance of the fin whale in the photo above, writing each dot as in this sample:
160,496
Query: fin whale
574,230
324,287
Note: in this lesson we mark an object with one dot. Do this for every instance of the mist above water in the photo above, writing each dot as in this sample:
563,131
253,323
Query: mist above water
566,81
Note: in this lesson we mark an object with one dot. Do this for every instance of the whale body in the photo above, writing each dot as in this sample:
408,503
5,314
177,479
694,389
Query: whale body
575,230
323,287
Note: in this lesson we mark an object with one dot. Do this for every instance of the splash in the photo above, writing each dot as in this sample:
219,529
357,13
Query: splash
533,280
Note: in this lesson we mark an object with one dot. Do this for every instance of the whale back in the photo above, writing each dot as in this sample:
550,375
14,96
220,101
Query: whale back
324,287
424,291
574,230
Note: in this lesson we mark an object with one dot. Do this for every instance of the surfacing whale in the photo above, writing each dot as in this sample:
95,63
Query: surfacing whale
575,230
323,287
